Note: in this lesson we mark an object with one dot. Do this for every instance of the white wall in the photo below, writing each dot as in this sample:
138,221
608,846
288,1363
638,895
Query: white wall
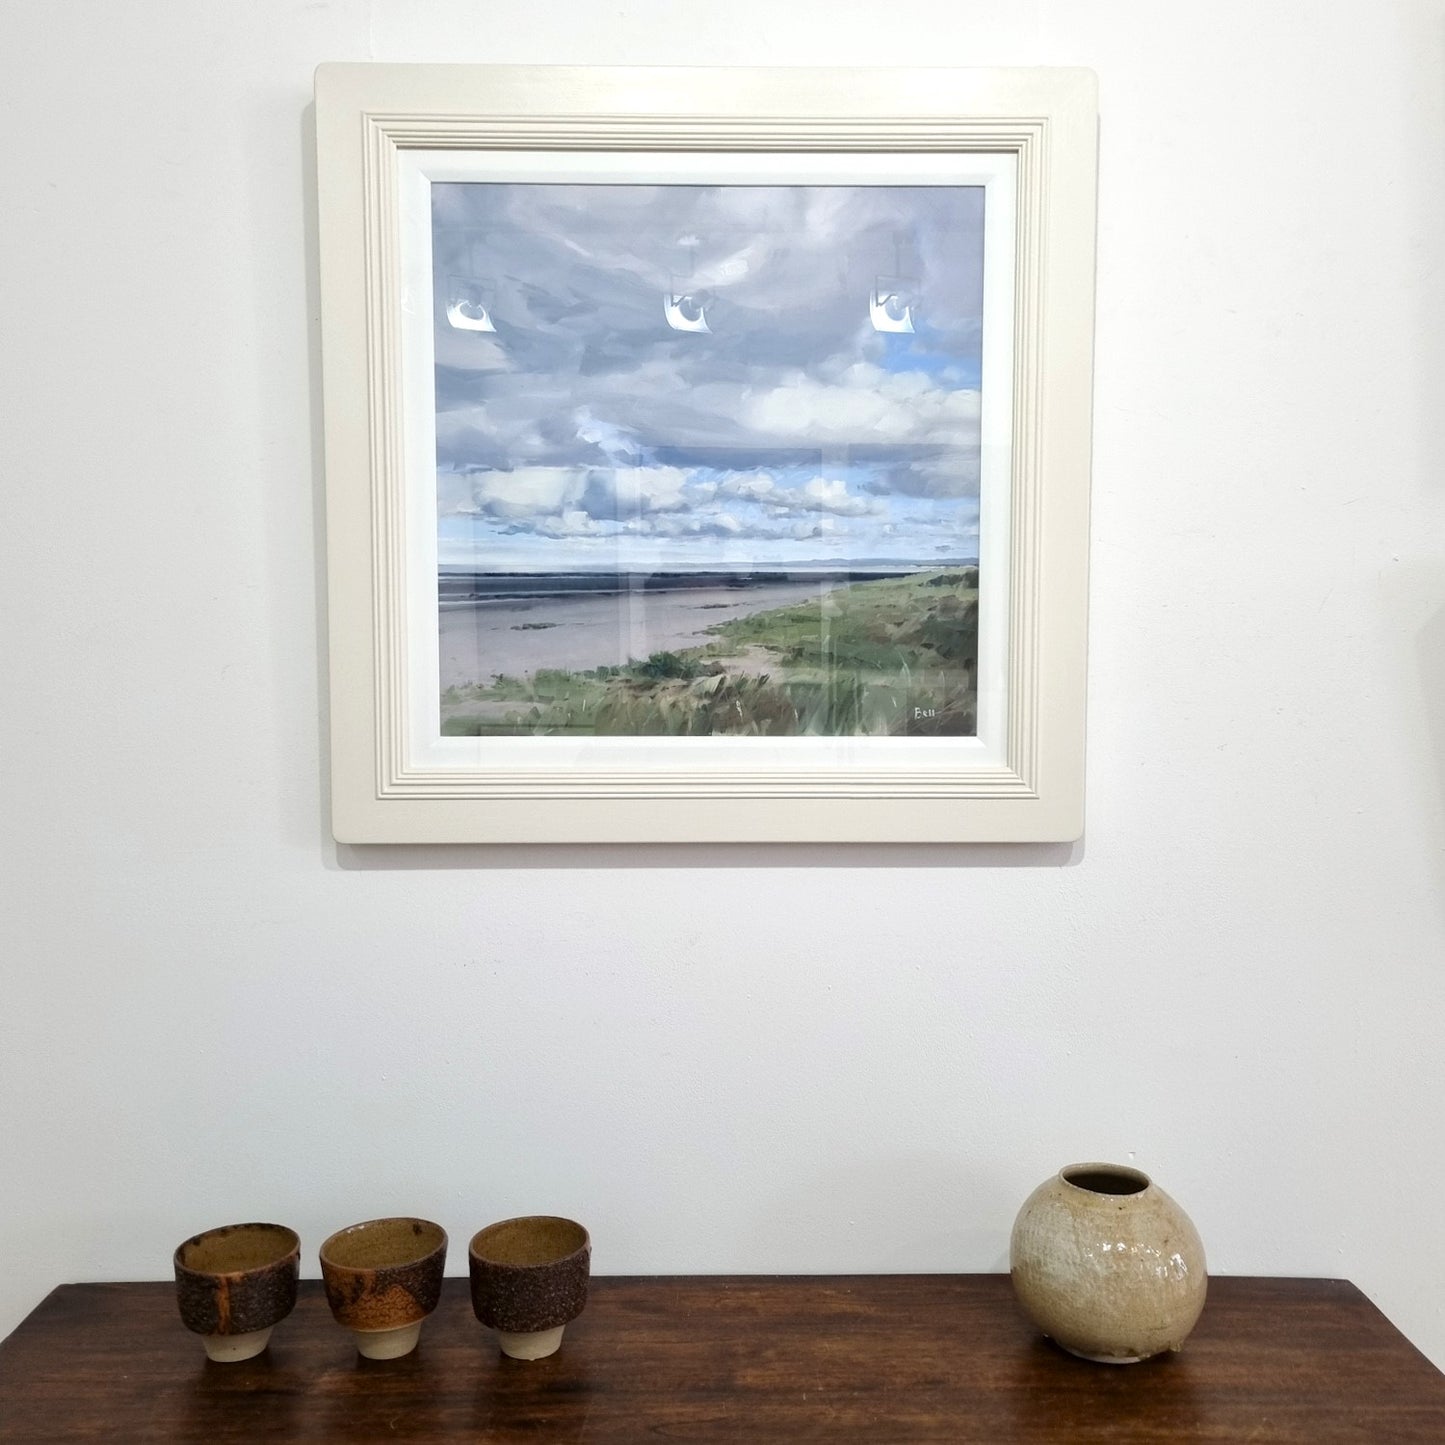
755,1058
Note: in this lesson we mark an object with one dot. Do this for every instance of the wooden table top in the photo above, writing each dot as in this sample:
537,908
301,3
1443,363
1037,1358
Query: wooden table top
887,1359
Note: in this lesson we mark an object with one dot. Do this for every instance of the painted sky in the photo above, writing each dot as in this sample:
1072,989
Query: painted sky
584,432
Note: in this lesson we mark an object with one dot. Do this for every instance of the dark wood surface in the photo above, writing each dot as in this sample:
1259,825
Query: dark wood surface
884,1359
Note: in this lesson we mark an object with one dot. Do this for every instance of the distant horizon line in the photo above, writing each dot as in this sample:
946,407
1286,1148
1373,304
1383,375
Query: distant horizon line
870,564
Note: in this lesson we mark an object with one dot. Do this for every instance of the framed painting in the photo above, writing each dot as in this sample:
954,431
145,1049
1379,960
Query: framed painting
707,452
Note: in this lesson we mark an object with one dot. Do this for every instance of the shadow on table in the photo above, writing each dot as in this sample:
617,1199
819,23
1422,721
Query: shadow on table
532,1399
220,1399
1051,1394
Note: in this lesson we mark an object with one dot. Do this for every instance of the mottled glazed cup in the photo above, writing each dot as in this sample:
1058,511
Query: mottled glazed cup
383,1278
235,1283
529,1281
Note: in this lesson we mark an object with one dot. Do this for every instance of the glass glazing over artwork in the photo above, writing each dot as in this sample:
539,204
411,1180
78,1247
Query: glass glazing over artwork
707,458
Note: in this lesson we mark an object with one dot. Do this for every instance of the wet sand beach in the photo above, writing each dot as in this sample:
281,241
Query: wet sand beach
518,637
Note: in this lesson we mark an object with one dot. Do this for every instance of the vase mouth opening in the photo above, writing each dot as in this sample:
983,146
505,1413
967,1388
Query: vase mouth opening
1116,1179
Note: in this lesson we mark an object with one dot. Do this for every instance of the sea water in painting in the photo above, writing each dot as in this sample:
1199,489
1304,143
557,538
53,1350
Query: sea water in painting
707,458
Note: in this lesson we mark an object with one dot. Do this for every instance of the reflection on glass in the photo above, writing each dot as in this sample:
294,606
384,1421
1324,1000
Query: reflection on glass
769,532
467,308
686,311
890,308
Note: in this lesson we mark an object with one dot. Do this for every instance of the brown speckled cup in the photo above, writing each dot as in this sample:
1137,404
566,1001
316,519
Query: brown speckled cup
529,1280
233,1284
383,1278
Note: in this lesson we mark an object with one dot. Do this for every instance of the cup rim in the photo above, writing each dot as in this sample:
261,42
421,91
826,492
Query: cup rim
488,1260
440,1247
292,1251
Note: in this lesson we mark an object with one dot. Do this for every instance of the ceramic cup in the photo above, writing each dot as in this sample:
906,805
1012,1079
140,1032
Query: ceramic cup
529,1280
235,1283
383,1278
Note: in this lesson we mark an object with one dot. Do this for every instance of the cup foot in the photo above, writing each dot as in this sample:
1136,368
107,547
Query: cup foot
387,1344
535,1346
228,1349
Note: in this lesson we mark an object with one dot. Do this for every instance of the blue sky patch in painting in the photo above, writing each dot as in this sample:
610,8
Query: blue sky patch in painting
577,428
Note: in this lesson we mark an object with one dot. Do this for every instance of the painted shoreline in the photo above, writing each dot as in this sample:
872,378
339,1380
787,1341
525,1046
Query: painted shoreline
885,657
468,588
520,636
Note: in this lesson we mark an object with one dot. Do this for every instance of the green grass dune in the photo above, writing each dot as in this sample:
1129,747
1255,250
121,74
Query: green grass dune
886,658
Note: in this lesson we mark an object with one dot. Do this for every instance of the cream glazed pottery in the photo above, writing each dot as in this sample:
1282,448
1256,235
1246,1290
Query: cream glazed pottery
1107,1265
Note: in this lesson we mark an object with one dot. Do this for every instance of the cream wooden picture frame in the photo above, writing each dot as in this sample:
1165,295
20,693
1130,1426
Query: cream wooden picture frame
382,130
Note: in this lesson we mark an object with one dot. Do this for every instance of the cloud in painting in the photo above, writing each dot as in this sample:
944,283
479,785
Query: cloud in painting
585,420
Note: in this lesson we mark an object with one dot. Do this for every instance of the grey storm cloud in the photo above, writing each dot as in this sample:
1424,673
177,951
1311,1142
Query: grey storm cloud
583,407
577,273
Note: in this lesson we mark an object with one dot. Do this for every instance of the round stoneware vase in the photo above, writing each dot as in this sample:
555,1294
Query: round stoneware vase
1107,1265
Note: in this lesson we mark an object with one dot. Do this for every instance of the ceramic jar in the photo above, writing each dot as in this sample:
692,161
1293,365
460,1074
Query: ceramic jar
1107,1265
